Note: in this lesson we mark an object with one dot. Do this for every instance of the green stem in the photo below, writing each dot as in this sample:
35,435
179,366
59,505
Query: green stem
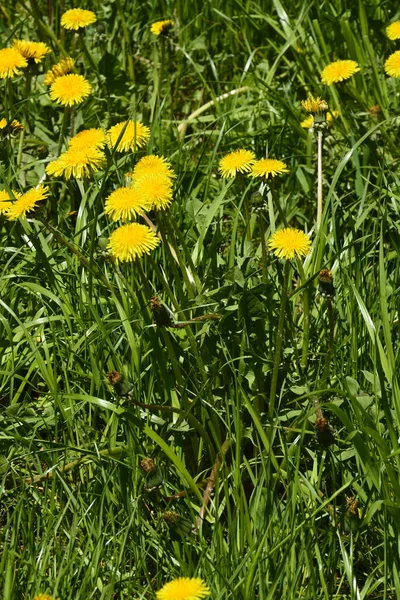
264,252
62,131
331,342
319,180
28,79
279,341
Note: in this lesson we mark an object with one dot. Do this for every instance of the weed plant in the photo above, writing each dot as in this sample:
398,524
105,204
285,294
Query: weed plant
208,409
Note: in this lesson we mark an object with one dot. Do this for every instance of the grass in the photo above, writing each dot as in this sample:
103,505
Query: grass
296,511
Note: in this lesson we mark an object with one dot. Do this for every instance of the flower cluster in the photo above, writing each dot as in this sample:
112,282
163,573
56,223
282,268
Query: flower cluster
244,161
150,189
82,157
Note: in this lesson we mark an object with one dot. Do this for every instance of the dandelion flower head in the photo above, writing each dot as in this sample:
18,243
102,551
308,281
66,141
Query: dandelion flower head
27,202
43,597
11,60
70,89
131,241
134,134
290,243
307,122
393,31
35,51
124,203
3,123
268,167
314,105
75,18
64,67
184,588
154,190
77,162
152,165
238,161
5,202
88,138
161,27
392,64
339,71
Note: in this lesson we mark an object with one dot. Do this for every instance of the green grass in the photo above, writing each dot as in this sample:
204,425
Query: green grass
290,516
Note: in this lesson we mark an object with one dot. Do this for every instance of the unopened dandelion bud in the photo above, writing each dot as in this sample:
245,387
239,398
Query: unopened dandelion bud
323,432
325,283
148,465
171,517
161,315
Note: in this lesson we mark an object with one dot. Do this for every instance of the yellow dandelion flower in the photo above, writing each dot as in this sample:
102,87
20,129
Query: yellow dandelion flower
70,89
64,67
88,138
339,71
124,203
151,165
10,128
35,51
392,65
5,202
314,105
76,18
11,60
289,242
308,122
393,31
77,162
268,167
43,597
3,123
27,202
332,115
184,588
154,190
135,135
132,241
161,27
238,161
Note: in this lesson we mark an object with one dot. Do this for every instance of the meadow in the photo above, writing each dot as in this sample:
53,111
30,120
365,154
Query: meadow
199,300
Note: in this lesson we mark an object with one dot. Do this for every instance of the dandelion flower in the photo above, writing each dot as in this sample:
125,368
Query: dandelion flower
11,60
5,202
35,51
64,67
27,202
154,190
135,134
132,241
43,597
392,65
10,128
161,27
124,203
152,165
184,588
289,242
314,105
308,122
238,161
88,138
70,89
76,18
339,71
3,123
268,167
77,162
393,31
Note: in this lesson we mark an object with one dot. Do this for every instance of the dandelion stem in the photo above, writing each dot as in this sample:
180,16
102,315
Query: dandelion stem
331,342
319,180
264,253
279,340
62,131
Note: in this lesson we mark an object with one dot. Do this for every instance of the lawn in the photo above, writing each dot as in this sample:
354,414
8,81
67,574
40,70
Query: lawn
199,300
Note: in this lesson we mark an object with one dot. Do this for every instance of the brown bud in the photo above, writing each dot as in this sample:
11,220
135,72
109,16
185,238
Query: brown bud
114,377
323,432
325,283
148,465
171,517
